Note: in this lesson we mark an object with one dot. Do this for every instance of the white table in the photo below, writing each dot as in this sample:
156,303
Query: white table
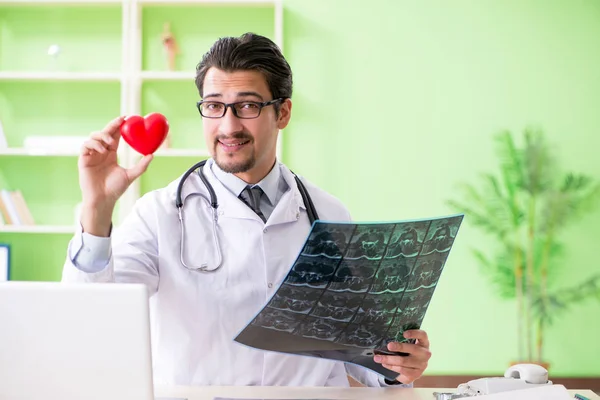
281,392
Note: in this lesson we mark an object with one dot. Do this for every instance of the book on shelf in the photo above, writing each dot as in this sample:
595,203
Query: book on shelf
14,209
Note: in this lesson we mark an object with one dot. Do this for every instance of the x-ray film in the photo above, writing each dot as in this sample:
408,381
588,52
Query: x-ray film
354,288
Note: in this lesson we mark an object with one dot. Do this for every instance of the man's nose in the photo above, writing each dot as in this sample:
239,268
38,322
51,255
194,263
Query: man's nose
229,123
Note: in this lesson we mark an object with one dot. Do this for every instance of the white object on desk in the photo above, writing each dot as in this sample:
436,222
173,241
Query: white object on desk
74,341
530,373
517,377
549,392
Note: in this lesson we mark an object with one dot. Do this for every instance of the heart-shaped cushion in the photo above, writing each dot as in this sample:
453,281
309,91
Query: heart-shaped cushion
146,134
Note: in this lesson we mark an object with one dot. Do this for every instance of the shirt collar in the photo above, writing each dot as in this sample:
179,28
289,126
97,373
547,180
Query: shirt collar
269,184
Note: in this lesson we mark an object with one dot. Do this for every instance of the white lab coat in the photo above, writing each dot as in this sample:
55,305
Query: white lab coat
195,316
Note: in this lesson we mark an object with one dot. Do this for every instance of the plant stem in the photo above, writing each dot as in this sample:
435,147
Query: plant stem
519,293
540,340
544,280
529,274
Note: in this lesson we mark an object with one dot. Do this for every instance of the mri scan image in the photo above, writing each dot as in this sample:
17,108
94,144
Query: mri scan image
363,335
369,241
277,320
413,305
354,288
295,299
427,270
377,309
328,240
338,306
315,272
440,236
393,275
320,328
353,276
407,239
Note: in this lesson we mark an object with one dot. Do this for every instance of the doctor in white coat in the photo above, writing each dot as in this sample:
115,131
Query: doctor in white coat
246,85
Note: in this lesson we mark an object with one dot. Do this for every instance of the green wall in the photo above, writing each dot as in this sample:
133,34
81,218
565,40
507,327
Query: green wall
396,102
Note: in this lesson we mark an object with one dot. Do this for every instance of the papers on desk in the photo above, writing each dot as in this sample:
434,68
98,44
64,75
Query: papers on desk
353,288
550,392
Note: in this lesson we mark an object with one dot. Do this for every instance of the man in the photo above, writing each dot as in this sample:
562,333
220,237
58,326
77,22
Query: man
246,87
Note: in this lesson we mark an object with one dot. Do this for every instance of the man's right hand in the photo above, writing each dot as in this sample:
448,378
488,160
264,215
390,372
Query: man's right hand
102,180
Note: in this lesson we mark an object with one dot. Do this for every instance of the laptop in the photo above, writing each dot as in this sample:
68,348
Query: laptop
74,341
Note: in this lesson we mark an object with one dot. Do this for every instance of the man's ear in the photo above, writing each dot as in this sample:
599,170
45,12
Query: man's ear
285,113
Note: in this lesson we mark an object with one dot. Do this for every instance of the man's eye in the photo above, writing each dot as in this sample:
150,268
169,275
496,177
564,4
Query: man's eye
248,106
213,106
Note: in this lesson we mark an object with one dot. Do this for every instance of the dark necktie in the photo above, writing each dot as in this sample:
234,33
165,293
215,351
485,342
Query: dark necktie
251,196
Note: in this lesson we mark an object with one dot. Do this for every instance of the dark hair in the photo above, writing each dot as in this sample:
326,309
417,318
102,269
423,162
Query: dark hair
249,52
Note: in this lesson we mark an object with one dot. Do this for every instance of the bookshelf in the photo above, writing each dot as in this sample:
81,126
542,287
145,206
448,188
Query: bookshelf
67,67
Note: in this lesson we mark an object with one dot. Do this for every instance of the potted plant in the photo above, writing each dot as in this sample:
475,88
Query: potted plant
524,207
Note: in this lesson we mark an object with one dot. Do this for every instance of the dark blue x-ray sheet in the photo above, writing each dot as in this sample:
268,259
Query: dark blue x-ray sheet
353,288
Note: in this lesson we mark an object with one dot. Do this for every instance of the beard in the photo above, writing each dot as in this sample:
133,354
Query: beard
227,162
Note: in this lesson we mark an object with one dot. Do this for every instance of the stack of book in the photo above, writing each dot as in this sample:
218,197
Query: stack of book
13,209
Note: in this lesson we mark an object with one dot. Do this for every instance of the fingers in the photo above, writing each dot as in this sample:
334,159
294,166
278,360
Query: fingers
419,335
113,128
412,349
92,146
104,140
405,375
417,358
409,367
111,133
138,169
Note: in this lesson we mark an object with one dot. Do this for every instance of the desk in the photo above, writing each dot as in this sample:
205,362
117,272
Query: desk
279,392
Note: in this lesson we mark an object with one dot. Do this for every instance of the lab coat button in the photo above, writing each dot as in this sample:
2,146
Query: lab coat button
270,285
297,215
265,230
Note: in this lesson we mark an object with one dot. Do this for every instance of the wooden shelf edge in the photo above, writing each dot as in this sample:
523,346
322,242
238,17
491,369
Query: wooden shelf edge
49,229
60,76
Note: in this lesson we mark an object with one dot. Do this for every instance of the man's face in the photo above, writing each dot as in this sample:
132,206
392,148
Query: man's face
245,147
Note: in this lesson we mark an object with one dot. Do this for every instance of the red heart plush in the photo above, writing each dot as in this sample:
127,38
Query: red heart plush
146,134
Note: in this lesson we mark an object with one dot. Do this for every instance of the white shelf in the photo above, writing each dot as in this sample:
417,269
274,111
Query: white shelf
66,229
182,153
211,2
167,76
60,2
25,152
21,151
61,76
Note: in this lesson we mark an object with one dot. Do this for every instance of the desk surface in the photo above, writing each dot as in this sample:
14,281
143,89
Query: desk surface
262,392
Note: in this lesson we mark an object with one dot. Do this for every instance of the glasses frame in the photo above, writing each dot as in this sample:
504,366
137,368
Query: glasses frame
261,105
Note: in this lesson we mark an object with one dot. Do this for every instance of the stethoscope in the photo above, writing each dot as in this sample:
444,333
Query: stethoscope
310,210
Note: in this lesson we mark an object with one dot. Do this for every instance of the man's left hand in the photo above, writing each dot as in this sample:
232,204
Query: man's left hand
411,367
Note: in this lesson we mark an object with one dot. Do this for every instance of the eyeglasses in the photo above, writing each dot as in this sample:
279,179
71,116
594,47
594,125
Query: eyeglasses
241,109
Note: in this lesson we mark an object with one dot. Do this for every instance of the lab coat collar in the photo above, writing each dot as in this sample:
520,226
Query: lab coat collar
230,206
269,184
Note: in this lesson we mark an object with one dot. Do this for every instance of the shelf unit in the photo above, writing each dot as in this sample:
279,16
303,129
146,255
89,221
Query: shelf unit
111,62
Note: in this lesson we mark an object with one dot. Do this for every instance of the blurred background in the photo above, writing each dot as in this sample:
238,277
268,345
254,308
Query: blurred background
402,109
